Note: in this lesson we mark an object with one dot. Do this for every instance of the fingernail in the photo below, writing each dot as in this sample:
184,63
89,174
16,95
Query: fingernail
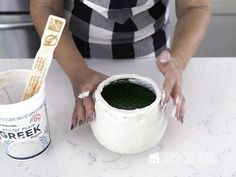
182,119
88,119
80,122
72,126
164,57
163,108
177,100
163,95
94,116
174,112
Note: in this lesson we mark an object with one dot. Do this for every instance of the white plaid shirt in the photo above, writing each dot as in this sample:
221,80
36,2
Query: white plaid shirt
120,28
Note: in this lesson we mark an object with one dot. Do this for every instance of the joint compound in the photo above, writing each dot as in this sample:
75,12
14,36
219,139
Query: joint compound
24,130
131,120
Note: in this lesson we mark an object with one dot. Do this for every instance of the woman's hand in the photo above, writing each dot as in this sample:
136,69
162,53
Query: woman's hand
172,86
85,80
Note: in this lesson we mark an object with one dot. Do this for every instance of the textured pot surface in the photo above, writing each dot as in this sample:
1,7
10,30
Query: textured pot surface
118,125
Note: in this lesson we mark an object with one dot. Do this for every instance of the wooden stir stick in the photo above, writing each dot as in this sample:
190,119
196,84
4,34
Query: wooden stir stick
43,58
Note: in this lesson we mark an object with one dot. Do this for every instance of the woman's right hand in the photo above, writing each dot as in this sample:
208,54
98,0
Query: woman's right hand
85,79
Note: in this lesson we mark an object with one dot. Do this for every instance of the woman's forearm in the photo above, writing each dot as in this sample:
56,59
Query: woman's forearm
190,29
66,53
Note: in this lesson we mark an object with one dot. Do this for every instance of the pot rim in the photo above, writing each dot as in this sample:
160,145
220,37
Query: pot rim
98,97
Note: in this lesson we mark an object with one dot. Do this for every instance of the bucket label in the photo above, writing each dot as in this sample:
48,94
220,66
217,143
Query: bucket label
26,136
27,116
21,133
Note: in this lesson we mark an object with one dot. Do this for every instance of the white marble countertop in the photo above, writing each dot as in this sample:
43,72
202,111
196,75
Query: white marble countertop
204,146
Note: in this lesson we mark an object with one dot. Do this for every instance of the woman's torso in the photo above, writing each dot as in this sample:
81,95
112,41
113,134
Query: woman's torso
120,28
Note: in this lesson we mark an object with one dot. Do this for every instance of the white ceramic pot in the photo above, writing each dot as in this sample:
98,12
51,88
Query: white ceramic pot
128,131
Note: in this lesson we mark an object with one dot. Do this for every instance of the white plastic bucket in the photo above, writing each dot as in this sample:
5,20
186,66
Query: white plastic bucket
128,131
24,129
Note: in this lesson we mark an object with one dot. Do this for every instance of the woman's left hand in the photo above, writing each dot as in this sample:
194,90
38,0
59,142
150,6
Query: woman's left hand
172,86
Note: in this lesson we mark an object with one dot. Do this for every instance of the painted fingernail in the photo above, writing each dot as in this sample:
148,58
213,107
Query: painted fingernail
72,126
182,119
80,122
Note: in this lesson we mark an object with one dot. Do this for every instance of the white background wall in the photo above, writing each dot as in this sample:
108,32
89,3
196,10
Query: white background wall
220,40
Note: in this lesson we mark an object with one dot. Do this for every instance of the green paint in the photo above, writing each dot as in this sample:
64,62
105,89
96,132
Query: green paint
123,94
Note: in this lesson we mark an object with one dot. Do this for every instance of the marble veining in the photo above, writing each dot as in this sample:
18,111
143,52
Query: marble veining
204,146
